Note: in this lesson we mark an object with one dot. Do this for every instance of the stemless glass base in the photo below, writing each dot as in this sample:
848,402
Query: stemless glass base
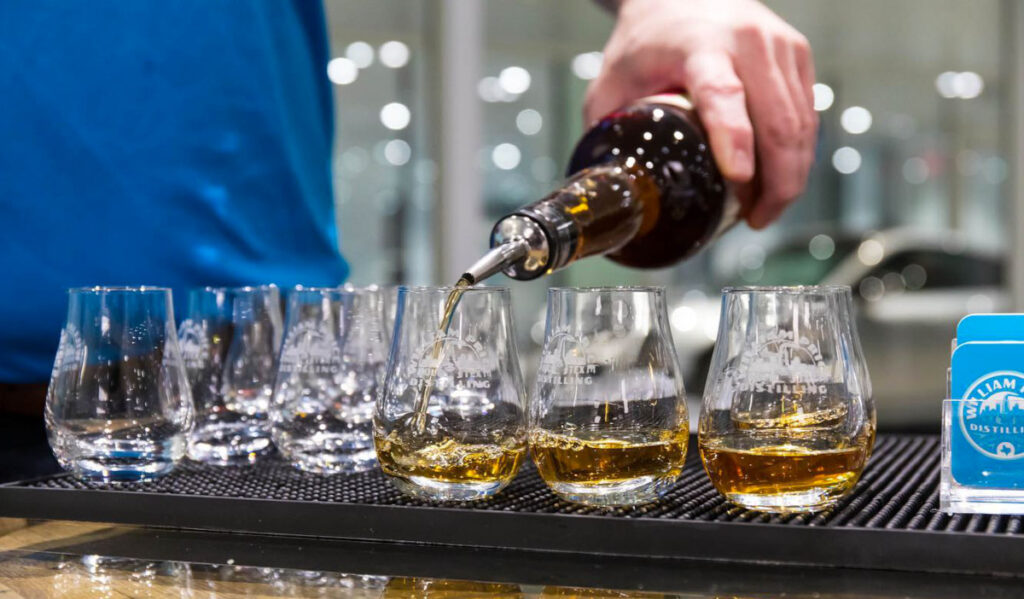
331,454
228,445
636,491
784,477
814,500
109,460
429,489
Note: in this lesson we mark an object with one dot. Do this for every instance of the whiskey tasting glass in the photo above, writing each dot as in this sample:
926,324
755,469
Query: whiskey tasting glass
389,300
608,419
787,421
365,344
204,336
118,407
450,423
332,364
234,426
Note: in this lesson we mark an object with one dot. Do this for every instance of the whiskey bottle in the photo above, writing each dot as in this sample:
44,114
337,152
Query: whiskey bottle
643,190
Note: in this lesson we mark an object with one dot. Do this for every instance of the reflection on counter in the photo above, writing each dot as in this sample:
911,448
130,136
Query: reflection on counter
427,588
51,558
101,577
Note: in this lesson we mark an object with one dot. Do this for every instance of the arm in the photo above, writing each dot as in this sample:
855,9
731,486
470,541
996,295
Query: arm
749,74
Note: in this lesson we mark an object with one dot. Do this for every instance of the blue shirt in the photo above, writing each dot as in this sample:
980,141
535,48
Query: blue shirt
176,144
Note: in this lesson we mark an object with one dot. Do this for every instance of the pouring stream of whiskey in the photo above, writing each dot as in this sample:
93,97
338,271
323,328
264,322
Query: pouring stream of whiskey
437,352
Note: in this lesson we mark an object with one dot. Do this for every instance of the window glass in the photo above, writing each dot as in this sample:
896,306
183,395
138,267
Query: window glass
936,270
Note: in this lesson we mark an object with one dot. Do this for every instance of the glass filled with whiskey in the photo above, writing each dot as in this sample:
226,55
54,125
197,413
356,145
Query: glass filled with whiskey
450,423
608,420
787,422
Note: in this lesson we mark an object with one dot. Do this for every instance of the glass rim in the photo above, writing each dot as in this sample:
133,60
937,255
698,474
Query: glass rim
450,288
304,289
610,288
251,288
360,291
100,289
787,289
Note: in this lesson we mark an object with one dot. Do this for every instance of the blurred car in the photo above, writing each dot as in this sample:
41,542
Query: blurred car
910,289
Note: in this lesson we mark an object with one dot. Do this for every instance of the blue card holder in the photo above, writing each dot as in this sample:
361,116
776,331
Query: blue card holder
990,327
983,428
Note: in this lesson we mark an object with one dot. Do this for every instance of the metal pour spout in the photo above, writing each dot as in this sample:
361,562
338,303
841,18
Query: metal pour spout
496,259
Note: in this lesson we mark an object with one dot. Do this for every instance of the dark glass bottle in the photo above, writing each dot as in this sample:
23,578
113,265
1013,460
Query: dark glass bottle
643,189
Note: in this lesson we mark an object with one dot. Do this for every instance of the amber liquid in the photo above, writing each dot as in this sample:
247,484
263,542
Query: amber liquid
760,473
602,459
409,453
446,319
645,189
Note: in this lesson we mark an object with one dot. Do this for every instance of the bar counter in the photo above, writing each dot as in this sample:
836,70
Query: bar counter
50,558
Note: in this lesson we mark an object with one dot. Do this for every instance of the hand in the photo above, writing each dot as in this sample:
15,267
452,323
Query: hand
749,75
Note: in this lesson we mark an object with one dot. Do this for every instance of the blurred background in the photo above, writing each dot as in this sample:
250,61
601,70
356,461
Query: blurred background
452,113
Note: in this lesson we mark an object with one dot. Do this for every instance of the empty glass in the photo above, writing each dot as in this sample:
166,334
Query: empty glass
365,344
451,421
204,337
389,297
332,364
118,407
233,425
787,421
608,420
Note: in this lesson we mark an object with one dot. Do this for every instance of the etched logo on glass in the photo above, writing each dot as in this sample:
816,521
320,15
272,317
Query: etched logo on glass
193,341
783,364
463,361
70,350
310,349
565,361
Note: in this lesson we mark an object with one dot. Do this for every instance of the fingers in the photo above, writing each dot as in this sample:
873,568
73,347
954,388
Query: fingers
604,95
718,96
803,102
780,123
609,90
805,74
805,69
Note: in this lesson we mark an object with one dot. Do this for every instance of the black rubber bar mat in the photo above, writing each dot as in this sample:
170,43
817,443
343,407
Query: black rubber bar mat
891,520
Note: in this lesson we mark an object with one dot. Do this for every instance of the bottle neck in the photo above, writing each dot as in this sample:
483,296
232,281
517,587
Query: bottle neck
596,211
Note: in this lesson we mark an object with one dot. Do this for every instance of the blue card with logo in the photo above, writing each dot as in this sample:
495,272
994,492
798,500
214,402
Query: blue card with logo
987,432
990,327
